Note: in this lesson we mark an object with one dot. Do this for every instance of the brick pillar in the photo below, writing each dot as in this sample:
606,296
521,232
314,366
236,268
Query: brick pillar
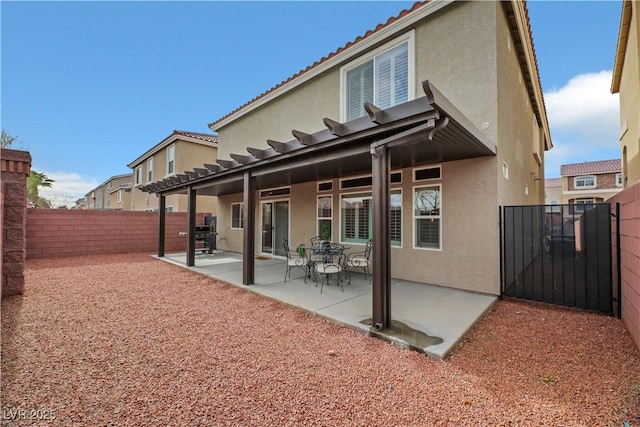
15,168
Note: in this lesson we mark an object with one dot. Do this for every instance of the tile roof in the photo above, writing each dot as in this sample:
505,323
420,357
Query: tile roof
202,136
599,166
553,182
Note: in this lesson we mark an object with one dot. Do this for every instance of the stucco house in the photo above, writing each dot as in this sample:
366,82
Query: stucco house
590,182
180,151
99,197
413,134
626,82
553,191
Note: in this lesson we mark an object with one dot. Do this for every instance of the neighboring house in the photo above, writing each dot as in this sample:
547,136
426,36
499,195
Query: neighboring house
178,152
80,204
120,197
590,182
98,198
412,135
626,82
553,191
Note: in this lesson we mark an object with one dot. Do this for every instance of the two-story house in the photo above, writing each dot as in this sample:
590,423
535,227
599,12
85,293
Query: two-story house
178,152
413,134
99,197
590,182
626,82
120,197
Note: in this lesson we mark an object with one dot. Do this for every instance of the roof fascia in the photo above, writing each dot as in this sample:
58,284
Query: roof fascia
165,143
344,56
621,49
523,31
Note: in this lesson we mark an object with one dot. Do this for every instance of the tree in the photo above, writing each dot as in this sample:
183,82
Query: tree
34,182
6,140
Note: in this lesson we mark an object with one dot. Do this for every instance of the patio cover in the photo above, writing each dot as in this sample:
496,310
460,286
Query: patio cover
429,129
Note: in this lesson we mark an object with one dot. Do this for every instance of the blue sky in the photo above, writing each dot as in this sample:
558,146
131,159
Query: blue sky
89,86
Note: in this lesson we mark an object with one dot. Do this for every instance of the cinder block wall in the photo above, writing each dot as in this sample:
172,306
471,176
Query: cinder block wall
15,167
629,200
64,232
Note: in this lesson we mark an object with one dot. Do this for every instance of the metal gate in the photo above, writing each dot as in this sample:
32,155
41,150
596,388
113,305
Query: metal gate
559,254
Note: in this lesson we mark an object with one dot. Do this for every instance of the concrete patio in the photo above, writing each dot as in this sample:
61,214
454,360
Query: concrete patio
443,314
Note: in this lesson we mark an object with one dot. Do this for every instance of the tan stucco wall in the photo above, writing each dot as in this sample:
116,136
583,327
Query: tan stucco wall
125,202
465,65
188,156
630,99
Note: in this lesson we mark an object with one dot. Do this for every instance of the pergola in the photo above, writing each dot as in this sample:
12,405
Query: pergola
429,129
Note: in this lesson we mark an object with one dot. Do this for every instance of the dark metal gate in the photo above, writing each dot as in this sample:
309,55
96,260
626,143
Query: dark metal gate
559,254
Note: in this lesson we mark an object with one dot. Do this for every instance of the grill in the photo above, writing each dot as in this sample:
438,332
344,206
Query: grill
204,235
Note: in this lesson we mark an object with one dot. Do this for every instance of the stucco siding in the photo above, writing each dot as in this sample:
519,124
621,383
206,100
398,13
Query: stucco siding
630,100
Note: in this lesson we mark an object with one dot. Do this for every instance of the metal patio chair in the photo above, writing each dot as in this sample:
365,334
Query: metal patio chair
294,261
331,264
361,260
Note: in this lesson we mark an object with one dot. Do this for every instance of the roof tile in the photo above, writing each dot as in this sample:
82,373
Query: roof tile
599,166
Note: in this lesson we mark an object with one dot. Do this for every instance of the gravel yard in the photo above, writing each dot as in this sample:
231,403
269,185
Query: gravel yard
129,340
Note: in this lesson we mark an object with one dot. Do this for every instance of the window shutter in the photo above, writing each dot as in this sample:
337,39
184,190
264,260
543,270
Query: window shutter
392,77
359,90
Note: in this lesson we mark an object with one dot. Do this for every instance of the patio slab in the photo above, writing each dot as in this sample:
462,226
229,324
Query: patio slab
436,311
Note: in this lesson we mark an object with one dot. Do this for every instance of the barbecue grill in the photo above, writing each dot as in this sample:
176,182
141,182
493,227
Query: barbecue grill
206,237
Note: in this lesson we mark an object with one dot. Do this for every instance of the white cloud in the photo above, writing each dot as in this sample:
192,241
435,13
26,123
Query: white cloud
67,187
584,118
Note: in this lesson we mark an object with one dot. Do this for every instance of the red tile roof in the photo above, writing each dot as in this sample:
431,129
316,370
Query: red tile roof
585,168
553,182
202,136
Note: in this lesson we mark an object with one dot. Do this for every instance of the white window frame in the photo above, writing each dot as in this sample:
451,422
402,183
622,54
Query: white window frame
579,204
171,159
415,217
619,179
119,196
409,38
369,195
240,219
584,187
149,169
324,218
138,176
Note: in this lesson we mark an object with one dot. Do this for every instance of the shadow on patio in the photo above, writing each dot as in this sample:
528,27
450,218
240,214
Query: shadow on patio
429,310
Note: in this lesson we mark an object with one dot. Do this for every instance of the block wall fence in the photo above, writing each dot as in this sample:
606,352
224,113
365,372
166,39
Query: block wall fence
629,200
71,232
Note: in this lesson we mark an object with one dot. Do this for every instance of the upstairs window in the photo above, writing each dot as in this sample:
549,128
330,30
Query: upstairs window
138,175
150,169
171,160
587,181
384,78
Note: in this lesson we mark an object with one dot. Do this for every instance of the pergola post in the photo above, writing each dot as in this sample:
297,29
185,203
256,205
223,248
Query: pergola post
381,255
162,215
248,235
191,224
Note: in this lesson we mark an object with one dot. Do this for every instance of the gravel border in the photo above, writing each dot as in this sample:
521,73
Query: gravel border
129,340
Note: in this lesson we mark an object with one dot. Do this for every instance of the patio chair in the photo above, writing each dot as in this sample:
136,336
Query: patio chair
360,260
294,261
331,264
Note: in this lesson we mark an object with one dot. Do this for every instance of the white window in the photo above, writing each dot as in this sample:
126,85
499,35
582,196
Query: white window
150,169
237,217
171,160
119,196
325,217
586,181
427,217
357,218
581,204
618,180
139,175
384,77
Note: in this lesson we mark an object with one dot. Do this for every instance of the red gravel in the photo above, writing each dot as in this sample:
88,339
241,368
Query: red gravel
128,340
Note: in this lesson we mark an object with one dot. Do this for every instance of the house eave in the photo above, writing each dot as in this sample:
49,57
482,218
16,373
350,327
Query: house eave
621,48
